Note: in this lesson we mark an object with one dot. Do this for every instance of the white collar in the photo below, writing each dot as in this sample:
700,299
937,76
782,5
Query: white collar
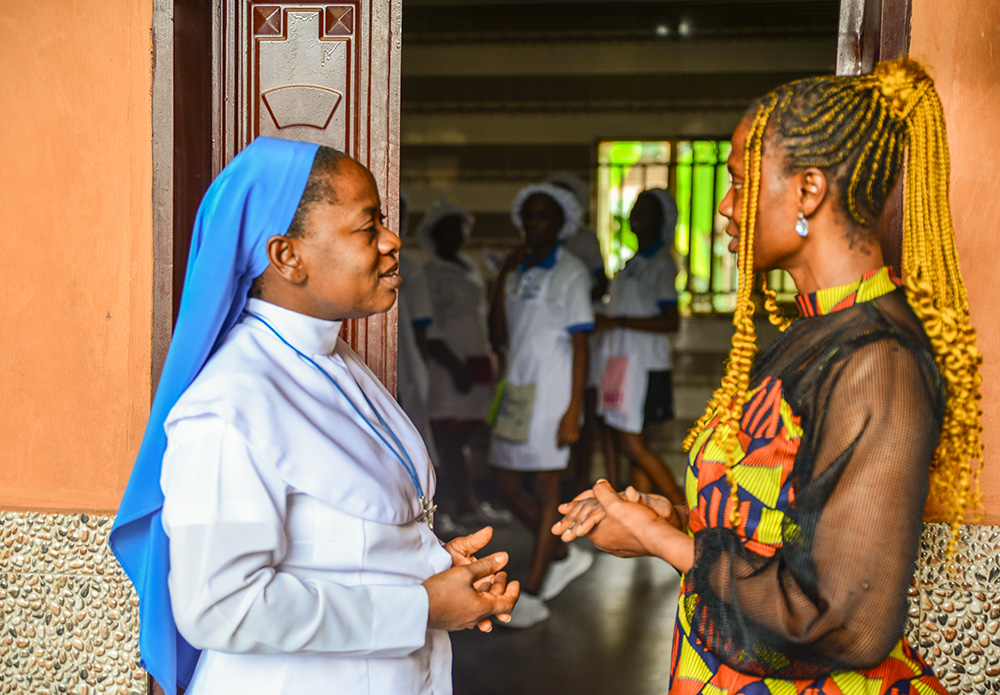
309,334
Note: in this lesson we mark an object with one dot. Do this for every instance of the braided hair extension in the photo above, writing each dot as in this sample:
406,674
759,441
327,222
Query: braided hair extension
729,398
774,314
936,291
858,130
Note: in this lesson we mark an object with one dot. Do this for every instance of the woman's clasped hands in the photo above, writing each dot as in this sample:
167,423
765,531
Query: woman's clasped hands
473,590
628,524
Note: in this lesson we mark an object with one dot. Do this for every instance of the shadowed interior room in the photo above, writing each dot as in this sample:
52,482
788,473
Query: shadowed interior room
497,95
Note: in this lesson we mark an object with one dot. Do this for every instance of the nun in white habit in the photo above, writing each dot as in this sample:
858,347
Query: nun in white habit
296,494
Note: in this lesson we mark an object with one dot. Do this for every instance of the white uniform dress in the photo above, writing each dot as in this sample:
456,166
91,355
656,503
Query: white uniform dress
458,294
415,311
585,246
641,289
544,306
295,546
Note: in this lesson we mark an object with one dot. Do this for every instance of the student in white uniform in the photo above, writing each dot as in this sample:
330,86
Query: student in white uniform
636,387
586,246
415,315
462,365
542,313
295,493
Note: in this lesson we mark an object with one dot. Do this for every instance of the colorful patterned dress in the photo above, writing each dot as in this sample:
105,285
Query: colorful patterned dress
808,595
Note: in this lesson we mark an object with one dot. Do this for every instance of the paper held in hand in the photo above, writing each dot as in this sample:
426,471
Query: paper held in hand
614,381
514,418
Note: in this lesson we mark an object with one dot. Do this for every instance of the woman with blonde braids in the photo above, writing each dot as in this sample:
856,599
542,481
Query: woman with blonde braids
809,472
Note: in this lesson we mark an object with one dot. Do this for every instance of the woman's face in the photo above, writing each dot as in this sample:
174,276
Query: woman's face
349,257
542,219
448,237
646,221
776,243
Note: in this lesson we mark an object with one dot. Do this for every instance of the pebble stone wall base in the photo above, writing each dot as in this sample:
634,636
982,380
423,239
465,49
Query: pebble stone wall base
955,614
69,616
70,620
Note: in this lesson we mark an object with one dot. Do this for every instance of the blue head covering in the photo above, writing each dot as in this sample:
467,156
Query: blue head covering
253,199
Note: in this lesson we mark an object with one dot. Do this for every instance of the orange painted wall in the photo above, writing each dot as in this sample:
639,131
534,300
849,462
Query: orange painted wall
75,250
961,50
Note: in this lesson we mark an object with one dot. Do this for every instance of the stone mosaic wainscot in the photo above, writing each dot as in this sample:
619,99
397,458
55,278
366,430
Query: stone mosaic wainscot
955,615
70,618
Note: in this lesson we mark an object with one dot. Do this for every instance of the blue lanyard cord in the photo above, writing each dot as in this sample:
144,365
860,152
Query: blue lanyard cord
403,459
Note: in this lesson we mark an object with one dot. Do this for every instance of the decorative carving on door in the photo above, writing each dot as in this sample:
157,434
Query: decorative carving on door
301,105
297,74
339,21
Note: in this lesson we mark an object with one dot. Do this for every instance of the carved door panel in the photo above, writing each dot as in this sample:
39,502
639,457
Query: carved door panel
326,72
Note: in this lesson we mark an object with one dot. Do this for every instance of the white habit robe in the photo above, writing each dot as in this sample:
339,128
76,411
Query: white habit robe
296,554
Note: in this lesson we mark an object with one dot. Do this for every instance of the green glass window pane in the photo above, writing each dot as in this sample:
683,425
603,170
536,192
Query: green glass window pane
626,153
684,301
725,148
685,153
655,152
724,275
722,183
724,303
702,222
604,152
705,151
682,194
695,172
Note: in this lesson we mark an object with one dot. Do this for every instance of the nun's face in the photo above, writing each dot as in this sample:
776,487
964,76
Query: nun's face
349,258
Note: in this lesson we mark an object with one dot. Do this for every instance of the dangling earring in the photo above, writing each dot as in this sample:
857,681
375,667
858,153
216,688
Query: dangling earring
802,225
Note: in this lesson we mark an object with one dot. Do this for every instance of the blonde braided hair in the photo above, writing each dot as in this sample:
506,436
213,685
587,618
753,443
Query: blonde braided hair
821,122
936,291
774,314
729,398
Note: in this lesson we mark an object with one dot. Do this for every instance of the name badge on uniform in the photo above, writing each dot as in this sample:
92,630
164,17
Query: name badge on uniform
614,381
513,422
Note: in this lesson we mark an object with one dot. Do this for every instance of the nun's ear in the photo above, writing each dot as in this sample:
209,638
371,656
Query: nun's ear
284,259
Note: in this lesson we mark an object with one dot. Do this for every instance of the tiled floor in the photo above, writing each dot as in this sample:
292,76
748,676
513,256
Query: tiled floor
610,632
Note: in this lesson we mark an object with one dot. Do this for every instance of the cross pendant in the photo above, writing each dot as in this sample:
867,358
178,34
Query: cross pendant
427,513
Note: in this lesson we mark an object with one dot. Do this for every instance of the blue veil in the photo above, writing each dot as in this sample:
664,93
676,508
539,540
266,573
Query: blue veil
253,199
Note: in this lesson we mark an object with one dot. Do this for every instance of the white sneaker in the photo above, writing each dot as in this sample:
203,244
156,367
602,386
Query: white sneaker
562,572
446,527
486,515
528,611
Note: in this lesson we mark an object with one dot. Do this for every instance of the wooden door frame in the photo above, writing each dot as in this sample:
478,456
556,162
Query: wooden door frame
870,31
163,185
182,151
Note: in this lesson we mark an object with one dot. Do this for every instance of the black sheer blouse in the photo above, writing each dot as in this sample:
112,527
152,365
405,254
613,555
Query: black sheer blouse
847,407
